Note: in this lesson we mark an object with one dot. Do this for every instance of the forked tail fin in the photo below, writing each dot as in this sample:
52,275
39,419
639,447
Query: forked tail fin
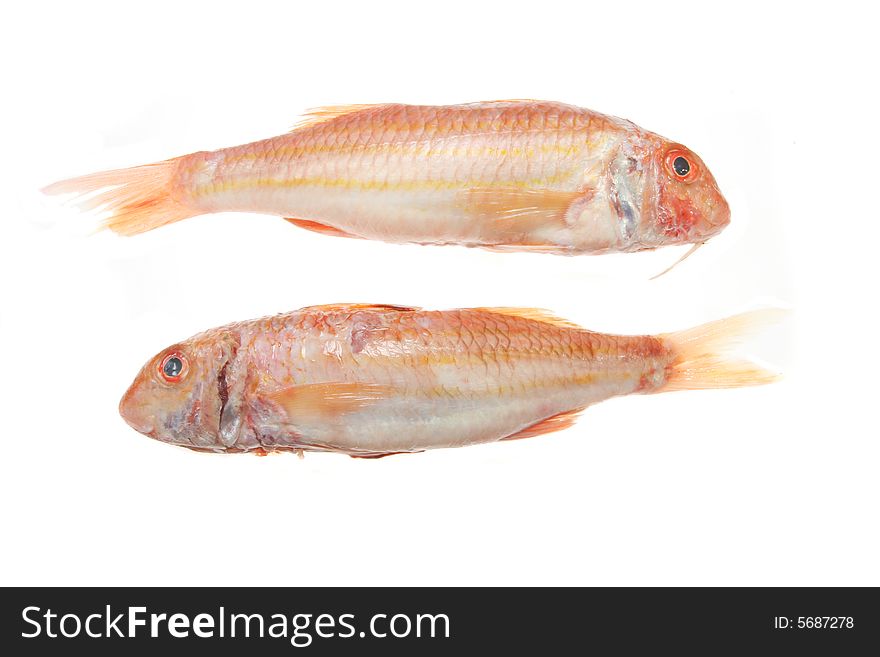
140,199
701,355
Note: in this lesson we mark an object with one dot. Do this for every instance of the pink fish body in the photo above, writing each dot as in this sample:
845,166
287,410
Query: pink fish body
511,175
375,380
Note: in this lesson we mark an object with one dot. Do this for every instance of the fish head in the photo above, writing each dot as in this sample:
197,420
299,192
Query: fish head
179,396
664,194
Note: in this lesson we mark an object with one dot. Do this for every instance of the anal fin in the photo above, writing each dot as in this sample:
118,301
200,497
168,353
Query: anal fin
553,423
378,455
318,227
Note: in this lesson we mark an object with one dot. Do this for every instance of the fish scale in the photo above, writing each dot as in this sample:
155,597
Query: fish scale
370,380
512,175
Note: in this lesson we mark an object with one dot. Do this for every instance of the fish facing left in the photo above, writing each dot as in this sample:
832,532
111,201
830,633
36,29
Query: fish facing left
373,380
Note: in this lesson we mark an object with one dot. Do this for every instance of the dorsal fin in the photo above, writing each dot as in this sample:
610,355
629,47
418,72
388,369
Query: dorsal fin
330,307
317,115
536,314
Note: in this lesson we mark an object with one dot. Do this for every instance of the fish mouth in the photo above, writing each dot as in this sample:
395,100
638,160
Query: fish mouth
141,425
719,217
133,413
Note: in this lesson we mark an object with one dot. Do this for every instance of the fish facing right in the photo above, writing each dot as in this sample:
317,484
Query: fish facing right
373,380
503,175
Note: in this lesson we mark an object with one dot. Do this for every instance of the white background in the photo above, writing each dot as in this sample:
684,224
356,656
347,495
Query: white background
764,486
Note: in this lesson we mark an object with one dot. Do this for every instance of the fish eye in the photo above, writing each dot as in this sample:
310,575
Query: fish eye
681,166
173,367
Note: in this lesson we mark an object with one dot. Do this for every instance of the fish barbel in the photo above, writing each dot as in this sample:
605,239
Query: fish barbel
503,175
372,380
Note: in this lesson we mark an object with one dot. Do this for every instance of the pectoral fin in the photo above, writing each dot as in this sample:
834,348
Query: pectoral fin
524,217
322,402
519,208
